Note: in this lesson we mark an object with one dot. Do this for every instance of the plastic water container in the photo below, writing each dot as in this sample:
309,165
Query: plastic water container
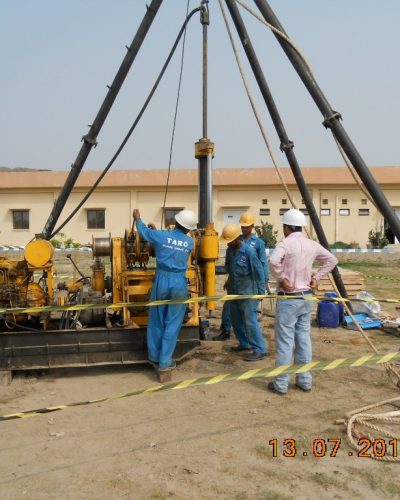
328,314
332,295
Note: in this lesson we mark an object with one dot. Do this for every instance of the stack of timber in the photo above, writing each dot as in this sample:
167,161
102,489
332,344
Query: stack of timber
354,282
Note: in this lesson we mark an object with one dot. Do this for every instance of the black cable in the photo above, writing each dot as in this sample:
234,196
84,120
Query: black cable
174,123
23,327
139,116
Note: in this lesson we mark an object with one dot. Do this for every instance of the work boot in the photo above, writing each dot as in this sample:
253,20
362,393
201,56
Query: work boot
165,374
255,356
239,348
224,335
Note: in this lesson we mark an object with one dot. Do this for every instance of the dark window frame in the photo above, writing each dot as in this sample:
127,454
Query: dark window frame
169,219
99,221
20,218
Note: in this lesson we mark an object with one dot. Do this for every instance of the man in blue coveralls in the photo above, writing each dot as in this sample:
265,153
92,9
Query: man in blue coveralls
246,222
245,277
172,250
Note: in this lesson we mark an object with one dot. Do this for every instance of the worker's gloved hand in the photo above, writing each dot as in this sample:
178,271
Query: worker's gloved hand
313,283
267,288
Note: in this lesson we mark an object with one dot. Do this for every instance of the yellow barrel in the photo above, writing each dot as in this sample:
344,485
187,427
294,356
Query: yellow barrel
38,253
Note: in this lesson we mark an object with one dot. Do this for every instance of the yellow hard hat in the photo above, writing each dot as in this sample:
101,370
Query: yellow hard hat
247,219
230,233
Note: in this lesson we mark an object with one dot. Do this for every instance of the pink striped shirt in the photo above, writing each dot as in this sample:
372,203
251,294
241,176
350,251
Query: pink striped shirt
293,258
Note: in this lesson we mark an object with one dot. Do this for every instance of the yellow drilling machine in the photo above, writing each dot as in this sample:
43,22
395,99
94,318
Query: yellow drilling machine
98,334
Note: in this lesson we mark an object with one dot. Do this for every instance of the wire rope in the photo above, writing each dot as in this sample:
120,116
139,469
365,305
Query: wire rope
139,116
174,121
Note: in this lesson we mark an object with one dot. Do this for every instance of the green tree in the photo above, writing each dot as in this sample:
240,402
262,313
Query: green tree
267,233
377,239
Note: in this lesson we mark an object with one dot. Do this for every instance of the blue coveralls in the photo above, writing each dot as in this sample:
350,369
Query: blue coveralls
259,246
172,249
246,277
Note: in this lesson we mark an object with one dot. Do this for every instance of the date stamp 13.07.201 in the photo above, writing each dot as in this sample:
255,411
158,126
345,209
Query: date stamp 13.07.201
320,448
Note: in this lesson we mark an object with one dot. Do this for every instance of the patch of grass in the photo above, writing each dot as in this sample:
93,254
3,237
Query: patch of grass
270,473
161,495
273,495
264,451
393,489
370,479
242,495
333,432
327,481
361,266
121,483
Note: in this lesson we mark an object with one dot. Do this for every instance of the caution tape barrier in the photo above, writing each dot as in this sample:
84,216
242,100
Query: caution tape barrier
192,300
223,377
382,277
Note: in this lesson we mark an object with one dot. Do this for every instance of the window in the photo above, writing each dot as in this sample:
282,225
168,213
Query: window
169,215
363,211
344,201
96,218
364,201
265,201
304,211
20,219
265,211
325,201
325,211
344,211
282,211
284,201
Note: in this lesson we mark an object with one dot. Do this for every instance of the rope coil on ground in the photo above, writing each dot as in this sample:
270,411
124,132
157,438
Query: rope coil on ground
364,420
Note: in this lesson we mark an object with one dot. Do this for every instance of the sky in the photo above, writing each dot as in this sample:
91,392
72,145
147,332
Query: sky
58,56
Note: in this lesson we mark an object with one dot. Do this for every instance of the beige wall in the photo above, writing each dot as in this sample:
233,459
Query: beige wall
38,203
119,203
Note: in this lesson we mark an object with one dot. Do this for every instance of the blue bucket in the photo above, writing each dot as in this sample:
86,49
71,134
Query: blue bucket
332,295
328,314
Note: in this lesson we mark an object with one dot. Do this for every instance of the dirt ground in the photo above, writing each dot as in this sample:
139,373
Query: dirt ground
206,442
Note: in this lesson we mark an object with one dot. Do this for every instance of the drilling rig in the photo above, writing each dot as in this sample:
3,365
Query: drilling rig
93,332
98,334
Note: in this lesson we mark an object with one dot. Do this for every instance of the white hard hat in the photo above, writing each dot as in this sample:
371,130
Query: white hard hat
294,217
186,219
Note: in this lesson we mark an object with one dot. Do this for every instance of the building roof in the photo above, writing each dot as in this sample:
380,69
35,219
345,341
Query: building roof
321,176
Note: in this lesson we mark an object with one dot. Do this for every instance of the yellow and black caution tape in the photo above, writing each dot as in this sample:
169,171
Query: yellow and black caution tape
387,278
369,359
216,298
